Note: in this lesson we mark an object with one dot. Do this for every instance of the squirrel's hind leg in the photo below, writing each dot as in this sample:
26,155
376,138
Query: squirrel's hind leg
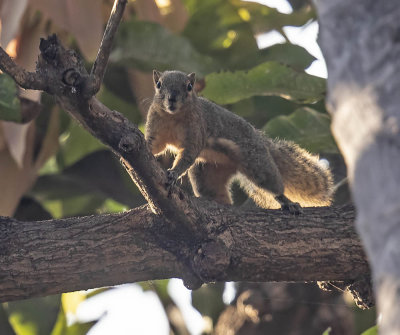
211,181
262,172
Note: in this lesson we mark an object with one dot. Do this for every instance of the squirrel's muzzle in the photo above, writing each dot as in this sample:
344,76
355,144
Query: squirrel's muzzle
172,102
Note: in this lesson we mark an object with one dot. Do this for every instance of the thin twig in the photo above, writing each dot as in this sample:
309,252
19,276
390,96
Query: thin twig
25,79
99,66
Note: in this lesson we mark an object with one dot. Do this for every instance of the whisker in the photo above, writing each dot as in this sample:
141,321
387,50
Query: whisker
145,102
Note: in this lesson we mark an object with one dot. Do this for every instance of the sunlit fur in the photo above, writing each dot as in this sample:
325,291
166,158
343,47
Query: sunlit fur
214,146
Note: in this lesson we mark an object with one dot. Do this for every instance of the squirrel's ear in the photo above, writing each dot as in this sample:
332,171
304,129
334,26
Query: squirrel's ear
156,76
192,77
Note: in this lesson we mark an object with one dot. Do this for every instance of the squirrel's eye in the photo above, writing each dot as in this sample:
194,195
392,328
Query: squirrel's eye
158,85
189,87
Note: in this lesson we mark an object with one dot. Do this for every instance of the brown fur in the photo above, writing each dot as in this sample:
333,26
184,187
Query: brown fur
214,145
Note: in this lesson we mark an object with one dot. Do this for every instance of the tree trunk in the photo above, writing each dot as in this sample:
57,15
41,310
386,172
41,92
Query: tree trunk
361,43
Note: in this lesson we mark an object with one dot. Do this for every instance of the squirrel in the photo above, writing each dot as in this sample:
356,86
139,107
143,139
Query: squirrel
214,145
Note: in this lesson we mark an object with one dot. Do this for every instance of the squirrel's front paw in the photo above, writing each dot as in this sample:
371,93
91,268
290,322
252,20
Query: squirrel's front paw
293,208
289,206
172,177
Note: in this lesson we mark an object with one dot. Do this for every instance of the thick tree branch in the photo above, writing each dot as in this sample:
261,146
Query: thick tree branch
41,258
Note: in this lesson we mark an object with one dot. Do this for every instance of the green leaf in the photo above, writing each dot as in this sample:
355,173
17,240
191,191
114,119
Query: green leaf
327,331
363,319
215,28
114,102
86,204
111,206
54,207
371,331
62,328
259,110
208,300
81,205
263,18
27,316
147,45
75,144
225,31
9,103
308,128
160,287
269,78
290,54
98,174
117,81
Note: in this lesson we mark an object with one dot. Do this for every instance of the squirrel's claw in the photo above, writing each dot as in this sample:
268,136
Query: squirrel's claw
172,177
289,206
293,208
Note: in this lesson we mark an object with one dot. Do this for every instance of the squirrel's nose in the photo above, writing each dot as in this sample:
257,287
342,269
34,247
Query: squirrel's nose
172,97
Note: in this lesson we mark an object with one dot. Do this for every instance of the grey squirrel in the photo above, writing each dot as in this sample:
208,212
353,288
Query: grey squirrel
214,145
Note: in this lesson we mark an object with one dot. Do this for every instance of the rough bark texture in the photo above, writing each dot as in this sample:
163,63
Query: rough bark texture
47,257
361,43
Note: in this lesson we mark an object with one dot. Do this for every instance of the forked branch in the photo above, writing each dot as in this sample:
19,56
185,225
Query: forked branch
100,65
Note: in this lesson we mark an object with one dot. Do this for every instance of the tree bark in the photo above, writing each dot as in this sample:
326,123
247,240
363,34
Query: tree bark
47,257
361,43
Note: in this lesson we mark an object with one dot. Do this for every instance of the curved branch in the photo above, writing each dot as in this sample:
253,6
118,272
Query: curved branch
41,258
117,132
99,66
25,79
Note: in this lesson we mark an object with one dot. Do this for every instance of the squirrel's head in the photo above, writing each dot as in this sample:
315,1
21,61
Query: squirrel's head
173,89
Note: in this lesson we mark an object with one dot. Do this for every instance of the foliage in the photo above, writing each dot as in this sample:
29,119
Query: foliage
371,331
146,45
327,331
307,127
26,317
9,102
268,78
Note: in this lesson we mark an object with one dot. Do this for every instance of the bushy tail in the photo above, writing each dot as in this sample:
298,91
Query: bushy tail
305,179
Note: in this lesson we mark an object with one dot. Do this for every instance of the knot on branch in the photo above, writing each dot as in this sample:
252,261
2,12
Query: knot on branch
212,260
128,143
49,48
191,281
71,77
61,68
